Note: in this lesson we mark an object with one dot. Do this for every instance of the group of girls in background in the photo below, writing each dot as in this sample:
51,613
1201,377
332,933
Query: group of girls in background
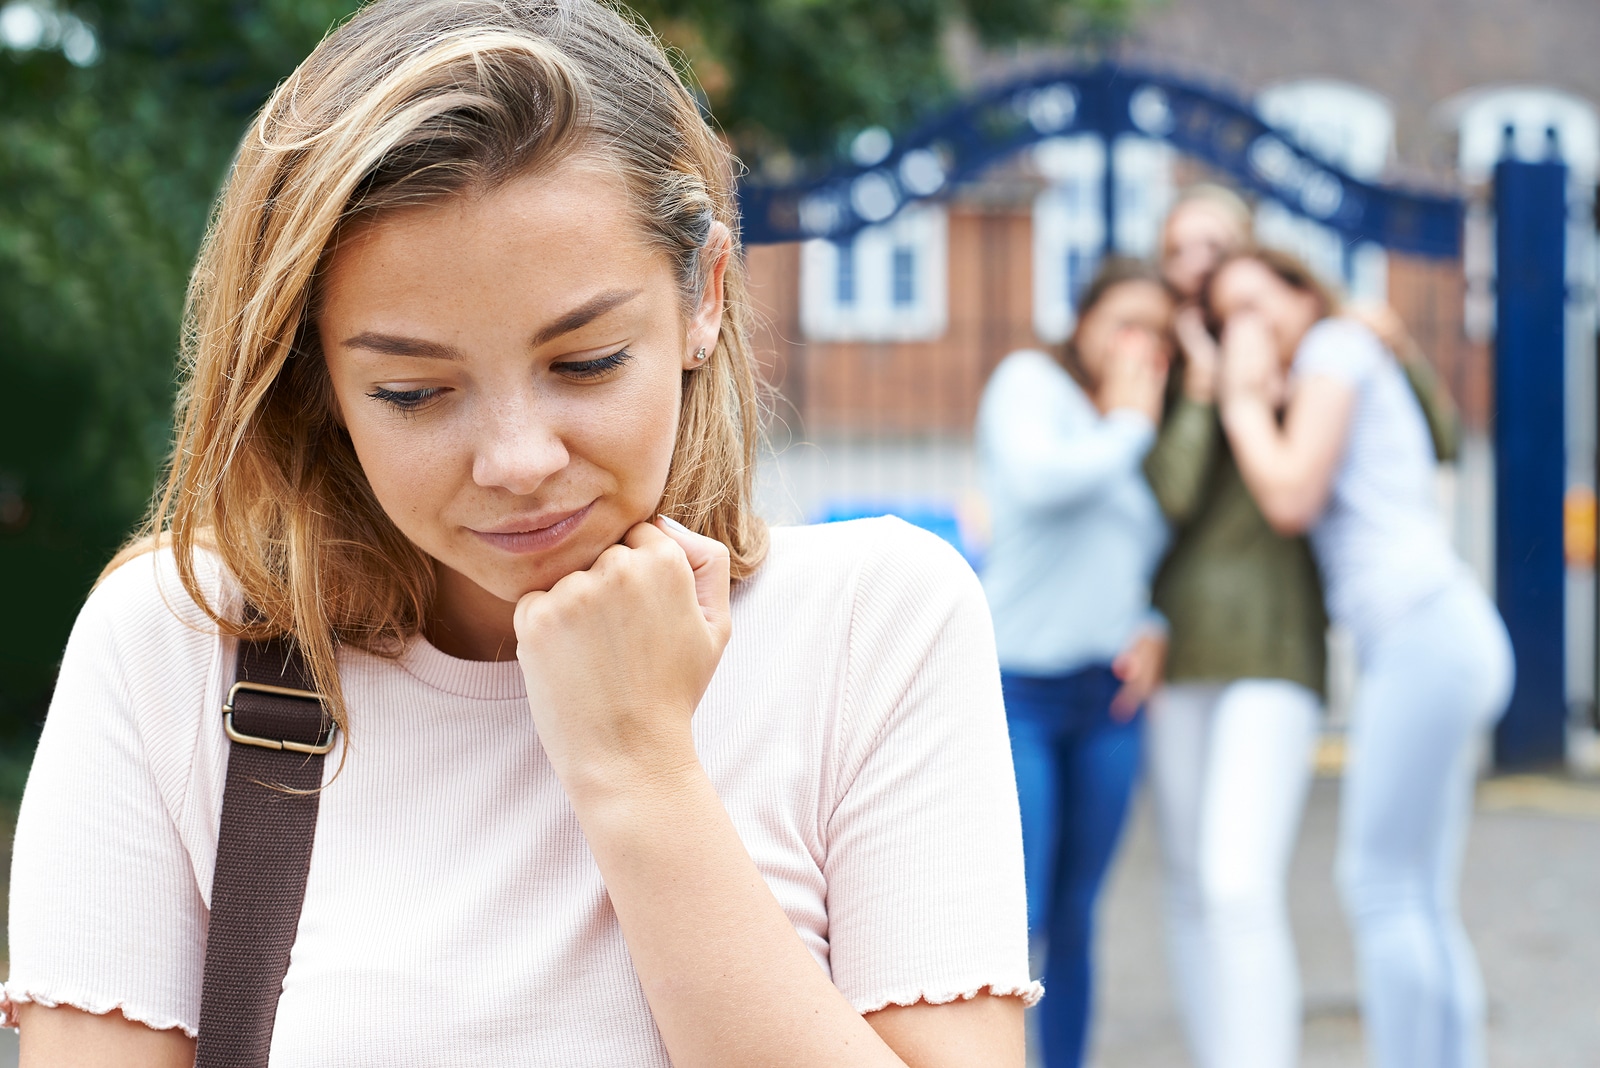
1219,459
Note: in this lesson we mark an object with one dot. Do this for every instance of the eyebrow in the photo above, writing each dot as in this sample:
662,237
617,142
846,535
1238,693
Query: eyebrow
391,345
584,314
579,317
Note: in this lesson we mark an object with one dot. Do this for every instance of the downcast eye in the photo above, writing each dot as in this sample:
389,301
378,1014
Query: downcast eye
597,368
404,399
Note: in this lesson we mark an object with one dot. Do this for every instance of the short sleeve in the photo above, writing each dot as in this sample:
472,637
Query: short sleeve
926,900
1340,349
105,908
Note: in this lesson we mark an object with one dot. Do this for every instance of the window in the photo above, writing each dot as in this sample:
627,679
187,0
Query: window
845,286
1080,270
1068,227
1144,193
888,284
1069,219
1538,121
905,276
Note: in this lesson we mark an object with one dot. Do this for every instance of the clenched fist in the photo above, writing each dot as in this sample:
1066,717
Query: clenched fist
617,657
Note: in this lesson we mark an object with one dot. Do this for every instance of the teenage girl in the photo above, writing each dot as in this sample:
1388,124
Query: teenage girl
1340,448
1231,732
1077,535
469,419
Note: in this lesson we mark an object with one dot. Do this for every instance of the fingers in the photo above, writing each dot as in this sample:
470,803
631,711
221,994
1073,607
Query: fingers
532,608
1125,705
701,550
1199,347
709,559
1137,345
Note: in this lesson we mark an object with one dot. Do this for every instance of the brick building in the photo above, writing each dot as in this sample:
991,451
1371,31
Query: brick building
894,337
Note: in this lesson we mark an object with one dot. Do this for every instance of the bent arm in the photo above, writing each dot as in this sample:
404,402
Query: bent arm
1289,469
617,659
1047,450
53,1037
728,980
1047,467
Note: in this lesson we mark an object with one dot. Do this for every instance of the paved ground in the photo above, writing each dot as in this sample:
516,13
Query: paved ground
1531,894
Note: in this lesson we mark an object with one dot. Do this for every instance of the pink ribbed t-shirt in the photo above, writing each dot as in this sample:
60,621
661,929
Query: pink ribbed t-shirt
454,914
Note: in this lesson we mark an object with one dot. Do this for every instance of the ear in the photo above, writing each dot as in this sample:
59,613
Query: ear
706,323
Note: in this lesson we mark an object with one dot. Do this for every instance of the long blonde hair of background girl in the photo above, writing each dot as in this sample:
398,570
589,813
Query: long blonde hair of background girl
409,102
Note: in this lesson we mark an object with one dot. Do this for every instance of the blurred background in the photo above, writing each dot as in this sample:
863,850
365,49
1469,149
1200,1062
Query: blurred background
930,184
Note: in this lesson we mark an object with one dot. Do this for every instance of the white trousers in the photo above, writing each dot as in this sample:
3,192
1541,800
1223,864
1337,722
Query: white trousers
1430,686
1230,765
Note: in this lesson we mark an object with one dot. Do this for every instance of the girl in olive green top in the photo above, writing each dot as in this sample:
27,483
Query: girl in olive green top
1230,737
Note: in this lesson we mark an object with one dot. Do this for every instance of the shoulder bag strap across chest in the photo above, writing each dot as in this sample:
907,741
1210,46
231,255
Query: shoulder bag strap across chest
279,731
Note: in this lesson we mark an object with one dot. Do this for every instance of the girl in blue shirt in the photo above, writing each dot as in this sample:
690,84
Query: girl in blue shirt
1077,538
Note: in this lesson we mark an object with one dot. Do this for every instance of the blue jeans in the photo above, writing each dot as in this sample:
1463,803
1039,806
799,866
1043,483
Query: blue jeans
1076,767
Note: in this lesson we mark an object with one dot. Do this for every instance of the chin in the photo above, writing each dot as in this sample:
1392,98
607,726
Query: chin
510,579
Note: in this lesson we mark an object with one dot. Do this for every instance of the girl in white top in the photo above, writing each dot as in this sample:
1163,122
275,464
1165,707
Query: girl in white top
609,789
1351,461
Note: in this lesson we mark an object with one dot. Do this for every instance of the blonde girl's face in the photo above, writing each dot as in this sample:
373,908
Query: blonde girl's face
509,367
1196,237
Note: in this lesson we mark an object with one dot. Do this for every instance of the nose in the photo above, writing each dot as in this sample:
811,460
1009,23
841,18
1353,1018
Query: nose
519,446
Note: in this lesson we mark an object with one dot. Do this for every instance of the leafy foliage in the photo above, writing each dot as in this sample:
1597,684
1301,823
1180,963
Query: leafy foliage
109,170
796,73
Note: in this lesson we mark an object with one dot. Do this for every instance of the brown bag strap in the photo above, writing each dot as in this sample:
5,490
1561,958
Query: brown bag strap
279,730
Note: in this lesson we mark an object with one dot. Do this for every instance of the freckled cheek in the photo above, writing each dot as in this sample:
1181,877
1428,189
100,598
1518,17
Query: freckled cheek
414,472
631,439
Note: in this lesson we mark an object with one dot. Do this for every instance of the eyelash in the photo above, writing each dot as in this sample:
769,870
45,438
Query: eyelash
585,369
407,400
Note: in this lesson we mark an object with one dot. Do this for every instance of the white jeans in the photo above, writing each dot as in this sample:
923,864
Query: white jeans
1429,688
1230,765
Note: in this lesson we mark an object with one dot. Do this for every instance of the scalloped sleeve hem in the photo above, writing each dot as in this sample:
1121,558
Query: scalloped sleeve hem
1030,994
12,995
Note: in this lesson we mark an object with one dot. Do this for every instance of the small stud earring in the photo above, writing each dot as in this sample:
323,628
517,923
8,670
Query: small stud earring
700,355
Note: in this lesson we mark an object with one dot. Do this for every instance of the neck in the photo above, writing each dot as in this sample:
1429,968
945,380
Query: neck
469,622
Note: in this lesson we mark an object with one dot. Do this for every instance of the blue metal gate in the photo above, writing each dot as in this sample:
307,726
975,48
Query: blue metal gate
958,146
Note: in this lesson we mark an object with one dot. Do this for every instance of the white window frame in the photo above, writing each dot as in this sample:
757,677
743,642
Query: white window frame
1144,193
918,235
1068,229
1069,218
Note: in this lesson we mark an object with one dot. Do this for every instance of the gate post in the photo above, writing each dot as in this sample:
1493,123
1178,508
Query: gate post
1530,454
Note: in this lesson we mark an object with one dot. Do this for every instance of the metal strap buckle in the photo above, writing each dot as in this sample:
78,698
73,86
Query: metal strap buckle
272,743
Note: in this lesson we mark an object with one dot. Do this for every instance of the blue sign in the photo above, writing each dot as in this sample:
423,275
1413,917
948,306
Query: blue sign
956,147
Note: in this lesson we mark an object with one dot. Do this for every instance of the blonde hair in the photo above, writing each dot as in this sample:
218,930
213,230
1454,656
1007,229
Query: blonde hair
409,102
1219,198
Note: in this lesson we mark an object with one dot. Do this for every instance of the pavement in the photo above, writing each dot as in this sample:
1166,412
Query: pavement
1530,895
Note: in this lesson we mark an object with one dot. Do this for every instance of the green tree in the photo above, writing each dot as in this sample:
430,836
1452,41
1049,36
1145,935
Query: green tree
108,169
109,161
796,73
